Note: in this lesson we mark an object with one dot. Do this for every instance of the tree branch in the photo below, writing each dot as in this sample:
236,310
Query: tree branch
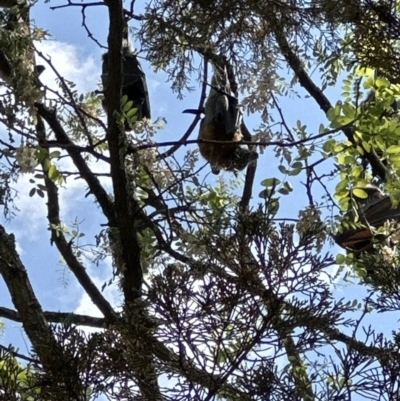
136,334
24,299
125,206
63,246
323,102
50,353
58,317
93,182
192,126
250,173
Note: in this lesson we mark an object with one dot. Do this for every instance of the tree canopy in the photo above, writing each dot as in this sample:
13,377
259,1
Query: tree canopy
228,287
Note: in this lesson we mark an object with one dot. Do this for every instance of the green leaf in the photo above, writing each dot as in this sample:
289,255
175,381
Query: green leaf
344,120
366,146
360,193
133,119
273,206
299,126
395,161
338,147
283,191
54,154
393,149
288,157
349,110
282,169
53,172
124,99
132,112
221,356
357,171
364,71
294,172
270,182
381,82
331,114
340,259
344,203
342,185
329,145
46,164
358,134
288,186
127,106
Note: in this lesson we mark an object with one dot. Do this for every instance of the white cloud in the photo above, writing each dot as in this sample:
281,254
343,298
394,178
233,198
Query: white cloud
68,62
30,220
85,72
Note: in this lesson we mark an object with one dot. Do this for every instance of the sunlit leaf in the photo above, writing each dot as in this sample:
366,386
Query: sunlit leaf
393,149
360,193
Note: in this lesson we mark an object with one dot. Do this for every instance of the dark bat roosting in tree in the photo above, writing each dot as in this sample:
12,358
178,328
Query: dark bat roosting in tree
374,211
221,122
133,85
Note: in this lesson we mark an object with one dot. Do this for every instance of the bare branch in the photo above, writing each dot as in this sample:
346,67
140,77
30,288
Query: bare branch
319,96
192,126
64,247
93,182
58,317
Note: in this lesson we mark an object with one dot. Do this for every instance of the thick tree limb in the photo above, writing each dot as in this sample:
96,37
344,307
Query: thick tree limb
58,317
125,207
137,335
49,352
24,299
